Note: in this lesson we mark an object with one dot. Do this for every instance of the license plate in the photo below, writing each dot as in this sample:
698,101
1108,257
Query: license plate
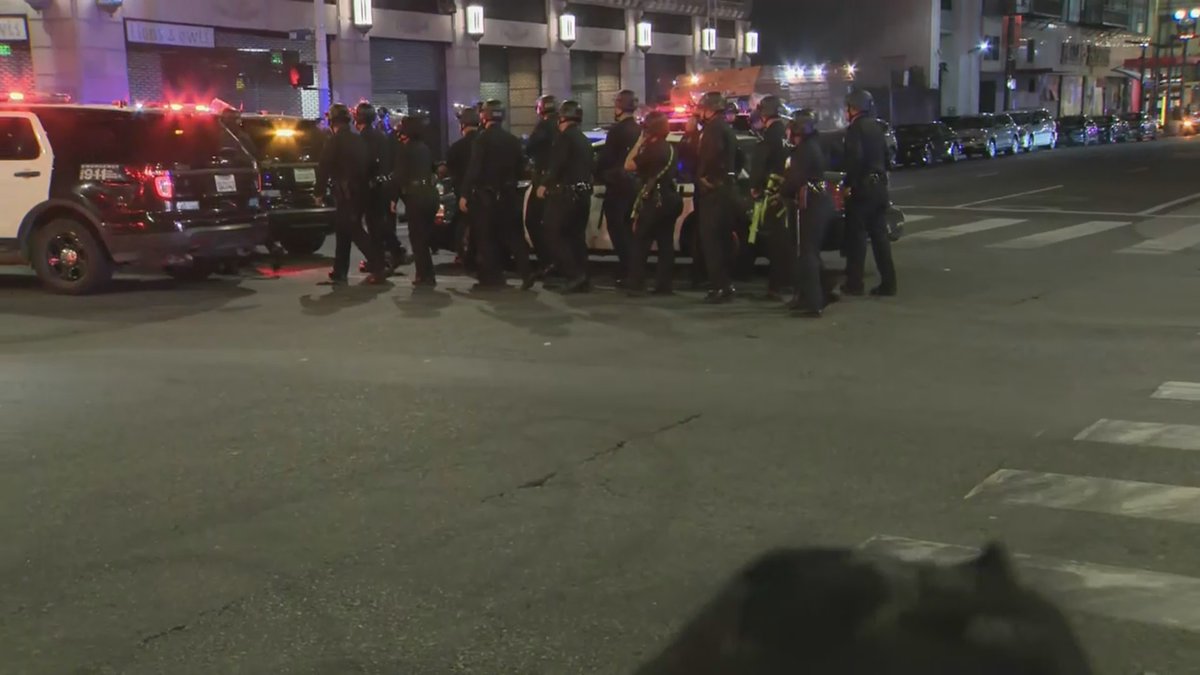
272,193
305,175
226,183
187,206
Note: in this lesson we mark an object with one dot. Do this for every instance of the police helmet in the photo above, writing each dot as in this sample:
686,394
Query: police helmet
339,114
570,111
713,101
860,100
468,117
365,113
804,122
492,111
413,126
547,105
626,101
769,108
657,124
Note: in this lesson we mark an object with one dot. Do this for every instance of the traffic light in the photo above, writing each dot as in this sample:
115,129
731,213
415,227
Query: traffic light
300,75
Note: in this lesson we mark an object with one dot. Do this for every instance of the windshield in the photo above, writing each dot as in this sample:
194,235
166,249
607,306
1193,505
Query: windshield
970,122
1022,117
284,139
193,140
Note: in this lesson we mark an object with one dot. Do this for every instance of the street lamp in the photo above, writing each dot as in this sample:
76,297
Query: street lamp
475,22
751,43
644,38
708,40
362,16
1185,21
566,28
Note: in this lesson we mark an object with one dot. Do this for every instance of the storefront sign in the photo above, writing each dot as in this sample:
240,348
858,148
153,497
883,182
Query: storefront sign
13,29
171,34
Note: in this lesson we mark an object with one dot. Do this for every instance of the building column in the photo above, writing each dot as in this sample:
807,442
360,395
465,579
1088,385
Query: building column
698,62
742,59
462,70
967,61
79,49
556,60
349,60
633,61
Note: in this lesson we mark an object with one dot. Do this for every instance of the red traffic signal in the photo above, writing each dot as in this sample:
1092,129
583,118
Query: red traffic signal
300,75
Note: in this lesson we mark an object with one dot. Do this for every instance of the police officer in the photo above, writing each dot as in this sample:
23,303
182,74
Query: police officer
865,163
412,181
380,222
618,184
812,212
767,165
344,164
538,150
490,196
568,194
715,149
458,159
657,206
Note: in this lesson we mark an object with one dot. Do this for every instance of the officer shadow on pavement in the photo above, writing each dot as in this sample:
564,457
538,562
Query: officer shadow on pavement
423,303
130,299
521,309
342,297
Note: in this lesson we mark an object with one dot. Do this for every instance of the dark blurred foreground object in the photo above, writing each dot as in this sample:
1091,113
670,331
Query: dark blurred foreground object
838,612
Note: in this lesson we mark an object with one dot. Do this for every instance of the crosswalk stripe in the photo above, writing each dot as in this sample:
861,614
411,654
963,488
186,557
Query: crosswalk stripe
967,228
1154,598
1178,391
916,218
1168,243
1132,499
1125,432
1062,234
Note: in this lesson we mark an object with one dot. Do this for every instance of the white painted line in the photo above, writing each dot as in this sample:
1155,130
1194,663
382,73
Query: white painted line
1178,391
1062,234
1015,194
1168,243
1038,210
1123,432
1132,499
987,175
916,218
1166,205
1154,598
967,228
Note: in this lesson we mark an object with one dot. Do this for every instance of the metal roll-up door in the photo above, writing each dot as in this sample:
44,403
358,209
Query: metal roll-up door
524,88
408,77
493,75
16,67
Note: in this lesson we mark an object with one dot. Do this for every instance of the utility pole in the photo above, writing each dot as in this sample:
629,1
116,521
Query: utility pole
321,73
1010,58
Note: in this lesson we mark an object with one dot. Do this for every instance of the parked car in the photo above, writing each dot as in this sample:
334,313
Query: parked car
1142,127
926,144
288,150
1036,127
985,135
893,157
1078,130
1113,129
89,189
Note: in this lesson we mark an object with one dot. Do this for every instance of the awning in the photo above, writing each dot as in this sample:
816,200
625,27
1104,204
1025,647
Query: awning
1150,62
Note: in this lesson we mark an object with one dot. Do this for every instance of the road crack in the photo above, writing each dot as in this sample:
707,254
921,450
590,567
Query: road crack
162,634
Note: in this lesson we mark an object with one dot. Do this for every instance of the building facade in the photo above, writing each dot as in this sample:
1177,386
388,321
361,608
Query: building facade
427,55
1068,56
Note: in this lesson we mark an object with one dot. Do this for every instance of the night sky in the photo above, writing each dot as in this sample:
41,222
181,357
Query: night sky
799,31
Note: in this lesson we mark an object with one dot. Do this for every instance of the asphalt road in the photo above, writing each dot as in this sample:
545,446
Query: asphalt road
263,476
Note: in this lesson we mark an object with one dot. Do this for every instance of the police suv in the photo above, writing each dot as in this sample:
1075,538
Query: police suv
89,189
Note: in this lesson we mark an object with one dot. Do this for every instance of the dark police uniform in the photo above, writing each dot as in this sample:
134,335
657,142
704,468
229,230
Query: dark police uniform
716,204
813,211
380,221
770,213
497,163
619,188
569,202
344,164
865,163
458,159
657,207
541,141
412,181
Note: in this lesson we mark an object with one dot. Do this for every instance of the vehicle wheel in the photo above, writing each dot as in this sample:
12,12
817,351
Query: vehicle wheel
1054,141
68,258
956,153
303,243
1015,147
991,150
197,271
927,156
1029,146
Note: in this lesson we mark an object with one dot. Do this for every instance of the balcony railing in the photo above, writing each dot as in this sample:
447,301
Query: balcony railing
1107,13
1050,9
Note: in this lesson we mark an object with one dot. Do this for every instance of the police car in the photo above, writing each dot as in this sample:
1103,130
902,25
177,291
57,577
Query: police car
90,188
288,150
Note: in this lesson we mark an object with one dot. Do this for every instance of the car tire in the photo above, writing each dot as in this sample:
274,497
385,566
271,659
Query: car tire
956,153
990,150
68,257
303,243
927,156
1015,147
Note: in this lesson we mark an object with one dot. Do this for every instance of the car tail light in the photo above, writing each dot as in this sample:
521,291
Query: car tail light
160,179
258,182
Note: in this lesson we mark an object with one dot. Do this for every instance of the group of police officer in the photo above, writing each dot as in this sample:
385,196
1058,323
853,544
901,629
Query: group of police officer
371,172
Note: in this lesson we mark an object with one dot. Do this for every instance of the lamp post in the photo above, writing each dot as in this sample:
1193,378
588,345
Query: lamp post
1185,25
